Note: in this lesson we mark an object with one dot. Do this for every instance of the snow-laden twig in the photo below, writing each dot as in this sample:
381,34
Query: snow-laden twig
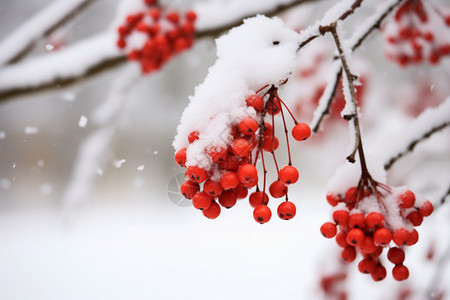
91,152
429,122
40,25
358,37
97,54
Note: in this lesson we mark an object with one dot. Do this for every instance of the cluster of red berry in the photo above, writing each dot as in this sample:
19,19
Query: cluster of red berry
158,35
413,37
234,169
367,222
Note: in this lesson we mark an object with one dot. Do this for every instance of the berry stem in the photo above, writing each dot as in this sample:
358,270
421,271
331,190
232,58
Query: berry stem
285,131
265,172
284,104
276,163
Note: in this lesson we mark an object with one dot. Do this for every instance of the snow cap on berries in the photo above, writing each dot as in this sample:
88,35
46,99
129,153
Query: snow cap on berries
261,51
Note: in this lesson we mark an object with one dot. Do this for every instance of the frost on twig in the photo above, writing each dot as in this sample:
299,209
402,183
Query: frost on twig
429,122
91,152
16,44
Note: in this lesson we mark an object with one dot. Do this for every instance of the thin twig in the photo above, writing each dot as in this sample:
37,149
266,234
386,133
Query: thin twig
414,143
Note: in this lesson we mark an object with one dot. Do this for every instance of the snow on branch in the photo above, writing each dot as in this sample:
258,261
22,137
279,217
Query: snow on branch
99,53
429,122
40,25
359,36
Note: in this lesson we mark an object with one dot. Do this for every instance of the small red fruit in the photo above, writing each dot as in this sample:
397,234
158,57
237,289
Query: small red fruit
400,236
262,214
247,173
278,189
288,175
248,126
355,237
286,210
229,180
241,192
228,198
202,200
400,272
270,143
212,188
341,239
193,136
333,199
180,157
197,174
241,147
341,217
328,230
189,189
375,220
367,265
256,102
406,199
379,273
301,131
382,236
258,198
415,218
426,209
348,254
412,238
274,107
356,220
396,255
213,211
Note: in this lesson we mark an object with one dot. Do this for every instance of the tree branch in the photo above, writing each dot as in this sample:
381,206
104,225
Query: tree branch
356,40
24,38
111,62
414,143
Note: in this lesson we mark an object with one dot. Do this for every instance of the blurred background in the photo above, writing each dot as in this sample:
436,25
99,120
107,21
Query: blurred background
118,230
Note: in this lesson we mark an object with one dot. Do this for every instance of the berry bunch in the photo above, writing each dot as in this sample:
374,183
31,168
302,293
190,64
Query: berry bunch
417,34
154,36
233,170
366,220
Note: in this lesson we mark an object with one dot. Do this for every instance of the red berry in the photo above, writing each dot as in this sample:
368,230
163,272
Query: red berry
250,184
231,163
218,154
241,147
368,246
400,272
256,199
274,107
248,126
180,157
278,189
256,102
286,210
375,220
202,200
328,230
356,220
301,132
355,237
247,173
396,255
270,143
351,194
189,189
173,17
191,15
406,199
412,238
379,273
268,129
154,13
382,236
262,214
197,174
333,199
150,2
426,209
341,239
121,43
415,218
229,180
341,217
193,136
212,188
400,236
348,254
288,175
228,198
367,265
241,192
213,211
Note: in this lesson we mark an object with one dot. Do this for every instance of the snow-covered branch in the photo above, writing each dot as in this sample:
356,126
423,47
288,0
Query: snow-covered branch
358,37
429,122
97,54
16,44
